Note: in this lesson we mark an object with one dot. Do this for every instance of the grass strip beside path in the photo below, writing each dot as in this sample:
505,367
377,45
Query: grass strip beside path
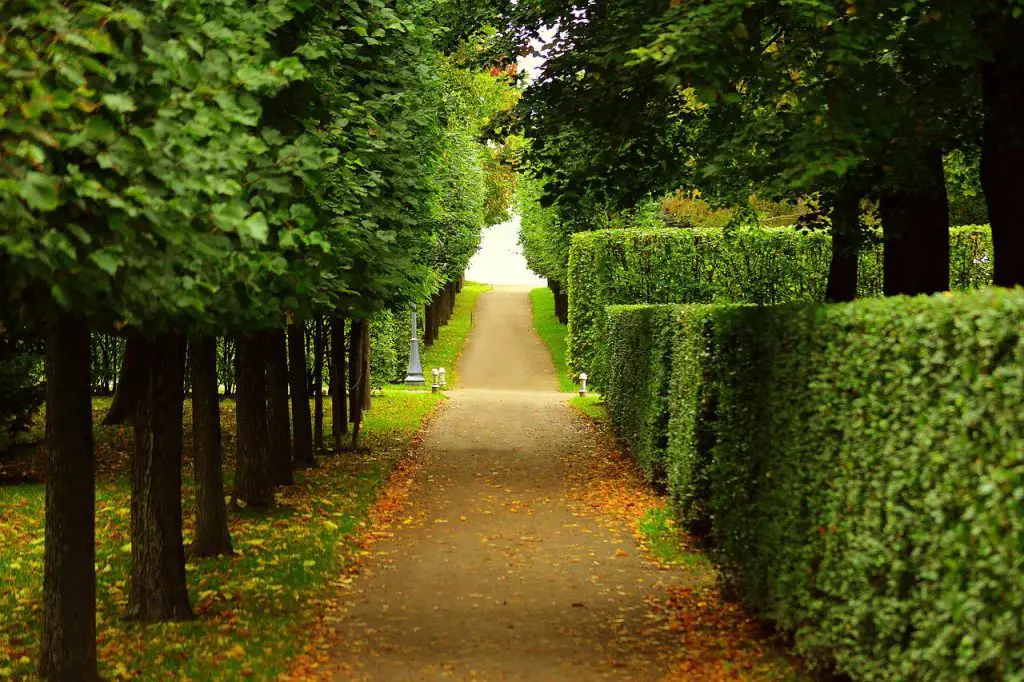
553,334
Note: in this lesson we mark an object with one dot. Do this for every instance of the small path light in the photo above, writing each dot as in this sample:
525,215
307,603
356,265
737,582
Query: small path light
414,374
583,384
444,381
435,387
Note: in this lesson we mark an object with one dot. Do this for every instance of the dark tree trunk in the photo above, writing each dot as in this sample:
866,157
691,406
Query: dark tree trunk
318,385
129,385
435,321
253,484
846,237
69,563
1002,151
158,591
212,537
339,411
915,231
302,457
459,284
428,324
367,386
563,307
278,429
357,378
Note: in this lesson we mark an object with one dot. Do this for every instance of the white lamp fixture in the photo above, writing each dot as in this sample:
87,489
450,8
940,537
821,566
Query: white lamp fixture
443,380
583,384
435,387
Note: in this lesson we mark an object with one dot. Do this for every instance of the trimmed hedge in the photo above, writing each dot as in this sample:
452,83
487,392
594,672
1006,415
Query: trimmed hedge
863,484
760,266
637,382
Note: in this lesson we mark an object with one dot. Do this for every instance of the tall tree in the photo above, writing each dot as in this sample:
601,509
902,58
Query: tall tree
157,588
303,444
278,422
69,566
253,483
212,537
339,407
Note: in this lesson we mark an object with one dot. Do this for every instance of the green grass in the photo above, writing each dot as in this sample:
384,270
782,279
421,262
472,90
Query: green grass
591,405
553,334
255,610
664,540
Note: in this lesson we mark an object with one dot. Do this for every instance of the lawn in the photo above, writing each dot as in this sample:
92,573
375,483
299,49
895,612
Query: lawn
553,334
253,610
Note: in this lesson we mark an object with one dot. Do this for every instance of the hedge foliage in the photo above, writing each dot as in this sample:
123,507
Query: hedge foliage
858,468
754,265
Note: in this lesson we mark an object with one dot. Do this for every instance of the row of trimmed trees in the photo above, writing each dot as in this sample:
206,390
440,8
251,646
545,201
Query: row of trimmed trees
177,172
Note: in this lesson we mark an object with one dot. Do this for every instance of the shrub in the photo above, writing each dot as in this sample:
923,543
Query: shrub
864,484
637,381
760,266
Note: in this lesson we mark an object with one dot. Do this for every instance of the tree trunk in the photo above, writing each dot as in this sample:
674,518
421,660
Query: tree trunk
212,536
842,274
302,457
69,562
278,429
915,231
129,385
459,284
158,591
367,387
428,324
435,321
339,411
357,378
253,484
1002,151
318,385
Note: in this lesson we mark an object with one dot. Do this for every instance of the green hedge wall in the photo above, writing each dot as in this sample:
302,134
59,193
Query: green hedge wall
761,266
637,380
860,471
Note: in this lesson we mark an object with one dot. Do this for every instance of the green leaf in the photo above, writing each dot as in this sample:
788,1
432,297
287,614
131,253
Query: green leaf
256,228
107,262
118,102
39,191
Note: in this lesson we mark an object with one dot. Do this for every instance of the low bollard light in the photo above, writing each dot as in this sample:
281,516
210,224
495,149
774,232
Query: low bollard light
443,380
583,384
435,387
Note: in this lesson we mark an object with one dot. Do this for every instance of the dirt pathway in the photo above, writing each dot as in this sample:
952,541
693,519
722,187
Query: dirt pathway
495,570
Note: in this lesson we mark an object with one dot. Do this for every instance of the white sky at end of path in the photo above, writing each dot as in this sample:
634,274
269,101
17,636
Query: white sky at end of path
500,258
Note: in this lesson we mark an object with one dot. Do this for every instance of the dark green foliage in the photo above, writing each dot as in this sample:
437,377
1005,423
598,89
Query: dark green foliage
863,488
636,381
21,383
760,266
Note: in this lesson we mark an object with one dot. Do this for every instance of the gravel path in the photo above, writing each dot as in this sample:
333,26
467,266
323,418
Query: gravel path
495,569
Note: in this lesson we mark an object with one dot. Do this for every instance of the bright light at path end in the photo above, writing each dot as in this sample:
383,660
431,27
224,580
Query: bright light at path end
500,258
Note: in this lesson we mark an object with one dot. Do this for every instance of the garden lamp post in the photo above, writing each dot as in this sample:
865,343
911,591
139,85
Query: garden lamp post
435,387
414,373
583,384
442,379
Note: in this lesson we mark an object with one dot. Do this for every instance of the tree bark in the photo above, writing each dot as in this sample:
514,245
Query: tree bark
339,411
302,457
357,378
435,321
846,237
428,324
158,591
253,484
318,385
129,385
69,562
278,428
1002,151
212,536
915,231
